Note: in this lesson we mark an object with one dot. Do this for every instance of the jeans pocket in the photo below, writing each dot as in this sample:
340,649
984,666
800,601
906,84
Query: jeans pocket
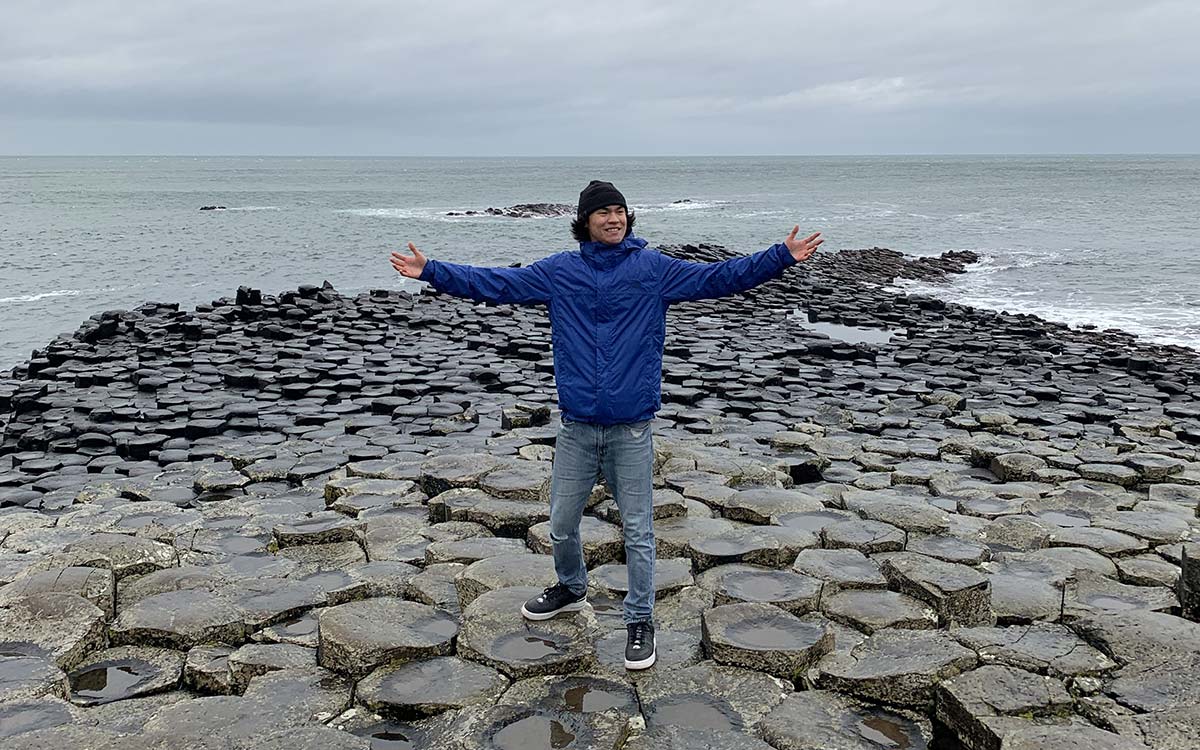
638,430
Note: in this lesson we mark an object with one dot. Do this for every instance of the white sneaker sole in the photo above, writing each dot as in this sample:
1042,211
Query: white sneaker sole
644,663
535,616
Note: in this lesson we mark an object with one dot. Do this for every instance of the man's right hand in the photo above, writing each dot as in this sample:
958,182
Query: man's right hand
409,265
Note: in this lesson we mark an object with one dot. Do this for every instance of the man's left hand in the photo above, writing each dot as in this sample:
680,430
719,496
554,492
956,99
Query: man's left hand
803,249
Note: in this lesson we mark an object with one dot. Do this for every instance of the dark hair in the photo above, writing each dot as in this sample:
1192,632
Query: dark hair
579,227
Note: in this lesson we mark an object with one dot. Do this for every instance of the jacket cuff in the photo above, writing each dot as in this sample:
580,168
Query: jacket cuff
787,259
427,272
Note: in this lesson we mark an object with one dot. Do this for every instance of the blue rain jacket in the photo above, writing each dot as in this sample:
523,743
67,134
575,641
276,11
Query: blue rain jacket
608,307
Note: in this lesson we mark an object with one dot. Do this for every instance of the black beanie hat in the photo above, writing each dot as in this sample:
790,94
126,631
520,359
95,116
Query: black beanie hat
597,195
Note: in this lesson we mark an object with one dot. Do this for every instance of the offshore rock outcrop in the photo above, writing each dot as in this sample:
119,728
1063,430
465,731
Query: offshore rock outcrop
308,518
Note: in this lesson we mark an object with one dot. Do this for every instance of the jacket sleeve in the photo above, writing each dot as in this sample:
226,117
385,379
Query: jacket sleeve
527,285
682,280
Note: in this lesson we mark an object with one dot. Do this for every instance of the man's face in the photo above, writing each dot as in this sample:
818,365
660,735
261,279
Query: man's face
607,225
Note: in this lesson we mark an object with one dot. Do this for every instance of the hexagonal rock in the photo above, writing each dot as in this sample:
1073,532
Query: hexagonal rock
670,575
494,633
710,696
763,506
123,554
825,720
206,670
1040,647
28,677
519,480
790,591
180,619
357,637
972,705
867,537
904,514
607,707
507,726
97,585
1070,737
321,528
1157,528
1089,593
764,638
1109,473
345,487
503,571
443,473
1154,467
840,569
124,672
1016,467
472,549
960,595
898,667
602,541
63,627
1025,590
424,688
254,659
740,543
664,504
873,610
672,737
948,548
1156,685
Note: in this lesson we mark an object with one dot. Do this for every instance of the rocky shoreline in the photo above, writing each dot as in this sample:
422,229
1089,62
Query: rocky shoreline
307,520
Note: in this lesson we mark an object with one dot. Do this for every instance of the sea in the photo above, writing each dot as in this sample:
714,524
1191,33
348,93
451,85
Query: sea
1112,241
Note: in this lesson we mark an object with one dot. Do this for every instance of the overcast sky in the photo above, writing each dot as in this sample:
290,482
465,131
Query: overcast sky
535,77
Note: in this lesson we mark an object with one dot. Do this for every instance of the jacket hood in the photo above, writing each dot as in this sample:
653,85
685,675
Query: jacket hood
604,257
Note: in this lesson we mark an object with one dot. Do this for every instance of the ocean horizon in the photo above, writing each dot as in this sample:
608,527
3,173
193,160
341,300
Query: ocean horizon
1104,240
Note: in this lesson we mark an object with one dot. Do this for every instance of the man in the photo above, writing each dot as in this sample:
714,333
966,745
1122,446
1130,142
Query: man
608,304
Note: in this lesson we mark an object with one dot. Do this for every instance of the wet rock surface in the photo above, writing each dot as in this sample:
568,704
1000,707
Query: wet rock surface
284,521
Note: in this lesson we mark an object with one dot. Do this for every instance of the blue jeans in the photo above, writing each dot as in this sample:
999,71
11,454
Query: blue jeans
625,455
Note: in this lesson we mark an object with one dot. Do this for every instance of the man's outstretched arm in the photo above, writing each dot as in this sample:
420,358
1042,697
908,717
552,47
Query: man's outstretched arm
522,286
683,280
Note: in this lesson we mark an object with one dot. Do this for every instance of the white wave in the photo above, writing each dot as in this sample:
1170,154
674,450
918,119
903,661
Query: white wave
42,295
253,208
1154,320
689,205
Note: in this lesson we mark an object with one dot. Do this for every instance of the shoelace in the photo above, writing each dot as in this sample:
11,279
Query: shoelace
638,631
556,587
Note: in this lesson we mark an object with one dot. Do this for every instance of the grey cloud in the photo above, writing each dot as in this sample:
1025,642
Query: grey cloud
540,76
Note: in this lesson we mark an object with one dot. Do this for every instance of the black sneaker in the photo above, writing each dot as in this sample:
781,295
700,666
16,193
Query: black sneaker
557,598
639,647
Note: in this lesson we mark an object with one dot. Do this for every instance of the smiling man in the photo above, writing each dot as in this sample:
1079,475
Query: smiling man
608,303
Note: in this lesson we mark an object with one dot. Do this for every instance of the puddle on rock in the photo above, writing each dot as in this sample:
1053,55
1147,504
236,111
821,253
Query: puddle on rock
812,521
18,719
329,580
110,681
22,649
770,636
1105,601
534,733
694,711
765,586
389,736
722,546
886,731
588,699
526,647
298,626
1065,518
854,334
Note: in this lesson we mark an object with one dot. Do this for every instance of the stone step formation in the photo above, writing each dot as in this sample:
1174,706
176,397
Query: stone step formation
310,519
